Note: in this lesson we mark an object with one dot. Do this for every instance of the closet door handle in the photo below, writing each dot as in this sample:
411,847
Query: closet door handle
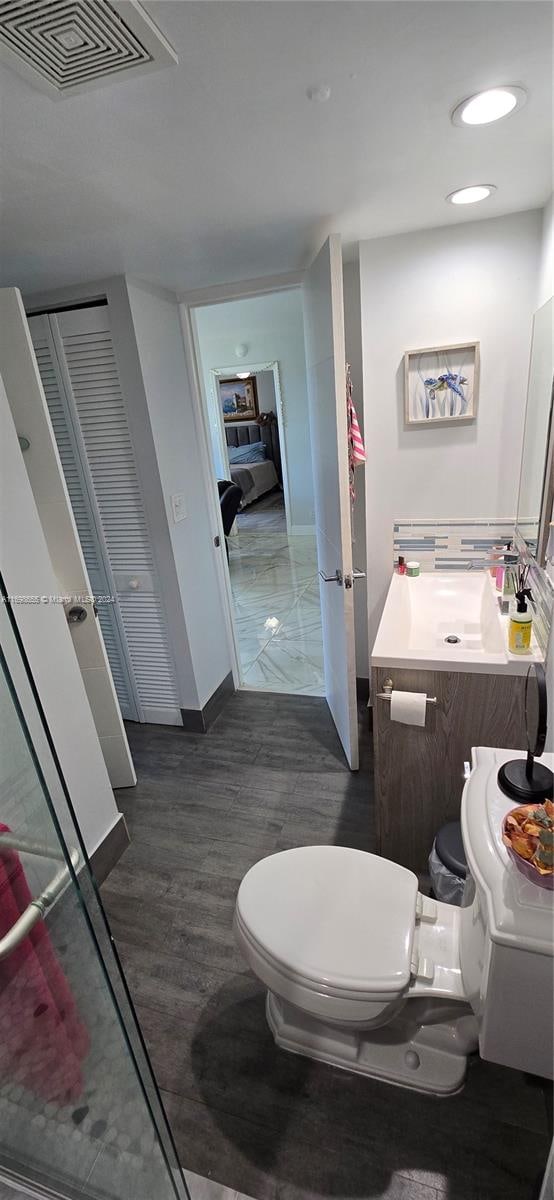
76,614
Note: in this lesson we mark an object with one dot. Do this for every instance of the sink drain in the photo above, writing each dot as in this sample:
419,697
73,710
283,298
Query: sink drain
452,639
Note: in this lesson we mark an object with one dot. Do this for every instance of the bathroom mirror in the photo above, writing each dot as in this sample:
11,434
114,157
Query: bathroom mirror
525,780
536,485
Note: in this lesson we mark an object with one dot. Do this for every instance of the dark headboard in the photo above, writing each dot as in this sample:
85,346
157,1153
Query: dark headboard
247,432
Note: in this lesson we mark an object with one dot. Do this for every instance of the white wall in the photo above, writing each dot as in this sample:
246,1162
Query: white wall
160,347
472,281
353,339
27,571
546,262
30,413
272,327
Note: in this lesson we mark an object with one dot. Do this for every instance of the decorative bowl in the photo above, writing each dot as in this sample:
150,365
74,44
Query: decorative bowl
524,865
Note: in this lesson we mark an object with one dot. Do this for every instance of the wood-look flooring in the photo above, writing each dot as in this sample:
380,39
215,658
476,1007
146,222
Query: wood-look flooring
270,774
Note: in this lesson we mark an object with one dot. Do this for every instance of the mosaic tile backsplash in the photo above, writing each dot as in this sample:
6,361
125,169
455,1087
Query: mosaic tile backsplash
453,545
450,545
542,589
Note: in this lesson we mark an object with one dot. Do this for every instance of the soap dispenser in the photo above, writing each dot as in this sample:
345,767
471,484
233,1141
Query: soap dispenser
521,621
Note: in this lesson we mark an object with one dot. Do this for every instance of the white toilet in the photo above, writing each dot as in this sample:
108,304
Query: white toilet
366,973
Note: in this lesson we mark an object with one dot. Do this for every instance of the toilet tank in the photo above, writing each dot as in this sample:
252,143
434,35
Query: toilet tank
507,931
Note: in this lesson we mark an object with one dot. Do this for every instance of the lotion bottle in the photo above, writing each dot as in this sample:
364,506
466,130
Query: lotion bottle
521,622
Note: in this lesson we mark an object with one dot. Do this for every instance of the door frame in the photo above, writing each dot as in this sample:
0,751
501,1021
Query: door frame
68,402
188,303
206,466
255,368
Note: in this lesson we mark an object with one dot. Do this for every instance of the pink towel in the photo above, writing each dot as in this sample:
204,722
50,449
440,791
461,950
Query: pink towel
356,448
42,1039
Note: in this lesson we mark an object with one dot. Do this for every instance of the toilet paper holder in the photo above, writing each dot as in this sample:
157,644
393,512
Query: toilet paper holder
388,686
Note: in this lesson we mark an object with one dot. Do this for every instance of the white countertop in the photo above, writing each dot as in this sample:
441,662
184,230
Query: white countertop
420,613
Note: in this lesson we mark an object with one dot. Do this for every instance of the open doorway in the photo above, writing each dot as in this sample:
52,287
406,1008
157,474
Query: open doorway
248,405
255,409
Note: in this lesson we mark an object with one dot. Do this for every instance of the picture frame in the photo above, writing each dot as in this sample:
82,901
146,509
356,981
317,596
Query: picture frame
238,399
441,384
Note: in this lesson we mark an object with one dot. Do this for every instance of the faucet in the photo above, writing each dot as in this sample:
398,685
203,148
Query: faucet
484,564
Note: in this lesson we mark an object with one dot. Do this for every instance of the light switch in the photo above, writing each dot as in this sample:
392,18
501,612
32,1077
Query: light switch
178,506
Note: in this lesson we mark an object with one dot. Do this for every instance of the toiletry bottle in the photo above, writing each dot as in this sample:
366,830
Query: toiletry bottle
509,585
521,621
401,564
501,568
496,554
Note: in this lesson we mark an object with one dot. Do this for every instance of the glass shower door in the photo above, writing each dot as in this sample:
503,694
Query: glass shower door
80,1113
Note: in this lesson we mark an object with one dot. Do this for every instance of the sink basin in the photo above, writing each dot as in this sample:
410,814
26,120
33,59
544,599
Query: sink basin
449,621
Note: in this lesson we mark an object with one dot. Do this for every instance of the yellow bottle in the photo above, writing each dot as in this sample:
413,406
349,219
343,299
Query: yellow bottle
521,623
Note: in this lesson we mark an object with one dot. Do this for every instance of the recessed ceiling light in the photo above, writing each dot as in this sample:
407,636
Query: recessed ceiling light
472,195
492,105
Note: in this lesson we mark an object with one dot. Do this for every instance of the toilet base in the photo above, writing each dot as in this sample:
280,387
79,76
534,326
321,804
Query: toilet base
426,1055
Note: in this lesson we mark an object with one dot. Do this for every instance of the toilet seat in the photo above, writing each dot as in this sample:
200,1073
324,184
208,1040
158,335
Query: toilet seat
330,929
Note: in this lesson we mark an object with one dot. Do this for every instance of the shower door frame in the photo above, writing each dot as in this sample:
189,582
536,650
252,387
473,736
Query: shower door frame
15,663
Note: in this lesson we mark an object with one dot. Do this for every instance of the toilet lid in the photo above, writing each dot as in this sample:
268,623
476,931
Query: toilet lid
333,916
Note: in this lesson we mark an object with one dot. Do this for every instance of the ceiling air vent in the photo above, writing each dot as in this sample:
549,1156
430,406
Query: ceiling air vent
68,46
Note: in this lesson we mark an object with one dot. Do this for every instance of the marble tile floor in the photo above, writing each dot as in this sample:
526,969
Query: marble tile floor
270,774
268,513
277,612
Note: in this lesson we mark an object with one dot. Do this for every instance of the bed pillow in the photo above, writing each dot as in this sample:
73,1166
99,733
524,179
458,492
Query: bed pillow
243,455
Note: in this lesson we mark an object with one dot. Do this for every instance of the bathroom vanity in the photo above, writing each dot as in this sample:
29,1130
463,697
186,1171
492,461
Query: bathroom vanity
475,691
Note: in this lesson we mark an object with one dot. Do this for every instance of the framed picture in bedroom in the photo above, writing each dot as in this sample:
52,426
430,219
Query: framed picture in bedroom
441,384
238,399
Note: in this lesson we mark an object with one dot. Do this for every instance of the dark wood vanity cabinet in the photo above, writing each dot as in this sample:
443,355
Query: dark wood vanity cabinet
419,770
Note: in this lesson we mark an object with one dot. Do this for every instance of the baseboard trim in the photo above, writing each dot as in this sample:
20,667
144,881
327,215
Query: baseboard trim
199,720
160,716
192,720
217,702
108,853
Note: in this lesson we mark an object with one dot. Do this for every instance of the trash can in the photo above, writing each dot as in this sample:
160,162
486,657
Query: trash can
448,864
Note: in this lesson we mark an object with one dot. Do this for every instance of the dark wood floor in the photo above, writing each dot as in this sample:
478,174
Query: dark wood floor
270,774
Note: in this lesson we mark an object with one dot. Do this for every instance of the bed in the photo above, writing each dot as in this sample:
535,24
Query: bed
255,478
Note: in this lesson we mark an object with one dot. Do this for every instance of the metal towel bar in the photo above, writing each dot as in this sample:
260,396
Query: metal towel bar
37,908
386,694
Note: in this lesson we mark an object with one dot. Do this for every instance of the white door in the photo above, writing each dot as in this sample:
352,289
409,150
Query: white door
326,371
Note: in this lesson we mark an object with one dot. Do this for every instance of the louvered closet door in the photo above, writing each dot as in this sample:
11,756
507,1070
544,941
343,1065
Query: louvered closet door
87,520
84,338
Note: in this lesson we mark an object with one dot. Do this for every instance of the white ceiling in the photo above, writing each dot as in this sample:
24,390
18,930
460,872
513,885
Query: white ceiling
220,169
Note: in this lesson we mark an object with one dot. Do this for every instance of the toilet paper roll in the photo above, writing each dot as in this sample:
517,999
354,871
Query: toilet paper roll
409,708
